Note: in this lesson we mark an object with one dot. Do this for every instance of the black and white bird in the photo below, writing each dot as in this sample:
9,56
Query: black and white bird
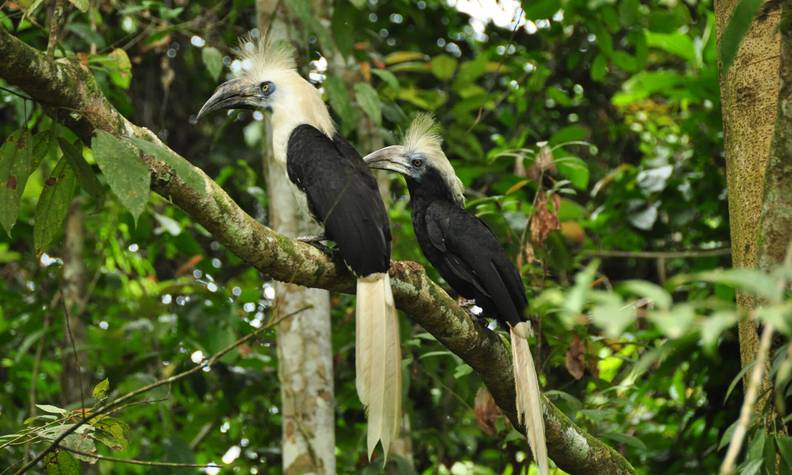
468,256
333,183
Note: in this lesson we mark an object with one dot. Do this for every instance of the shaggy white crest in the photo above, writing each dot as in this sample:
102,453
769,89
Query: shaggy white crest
424,137
295,100
260,57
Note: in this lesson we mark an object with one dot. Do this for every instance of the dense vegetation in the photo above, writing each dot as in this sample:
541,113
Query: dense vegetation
589,137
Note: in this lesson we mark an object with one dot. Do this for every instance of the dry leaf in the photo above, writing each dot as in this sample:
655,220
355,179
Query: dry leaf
544,220
575,360
486,411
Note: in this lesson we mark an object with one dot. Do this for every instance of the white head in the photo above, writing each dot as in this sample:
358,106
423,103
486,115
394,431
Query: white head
269,81
420,158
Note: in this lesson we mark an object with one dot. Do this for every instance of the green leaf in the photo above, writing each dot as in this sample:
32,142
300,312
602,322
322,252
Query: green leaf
183,169
388,77
599,68
674,323
127,175
369,101
469,71
81,5
100,390
753,281
570,133
739,24
784,444
15,169
52,409
53,205
611,314
780,315
714,325
339,100
678,44
112,432
343,27
213,60
577,295
85,175
625,439
61,462
302,10
654,292
540,9
573,169
443,66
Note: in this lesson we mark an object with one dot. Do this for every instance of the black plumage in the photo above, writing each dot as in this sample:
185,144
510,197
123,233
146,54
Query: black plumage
464,250
342,194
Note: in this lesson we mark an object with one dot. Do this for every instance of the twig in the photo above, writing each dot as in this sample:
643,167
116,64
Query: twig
481,114
747,407
721,251
107,407
106,458
67,319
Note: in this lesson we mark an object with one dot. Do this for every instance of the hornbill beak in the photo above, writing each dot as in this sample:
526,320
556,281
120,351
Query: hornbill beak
391,158
234,94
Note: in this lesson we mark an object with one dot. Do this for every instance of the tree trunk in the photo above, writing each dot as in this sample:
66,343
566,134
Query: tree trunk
749,98
305,353
74,374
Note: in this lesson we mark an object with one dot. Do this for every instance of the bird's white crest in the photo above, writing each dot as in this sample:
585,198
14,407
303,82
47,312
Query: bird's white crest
423,136
295,100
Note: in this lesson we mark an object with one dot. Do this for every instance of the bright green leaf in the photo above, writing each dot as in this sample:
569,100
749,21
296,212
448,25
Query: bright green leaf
127,175
213,59
100,390
673,323
81,5
443,66
573,169
52,409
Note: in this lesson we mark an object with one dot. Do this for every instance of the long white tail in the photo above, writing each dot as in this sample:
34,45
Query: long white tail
529,402
378,359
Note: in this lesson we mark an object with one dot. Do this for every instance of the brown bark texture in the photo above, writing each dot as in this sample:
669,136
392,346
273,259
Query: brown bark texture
69,93
749,97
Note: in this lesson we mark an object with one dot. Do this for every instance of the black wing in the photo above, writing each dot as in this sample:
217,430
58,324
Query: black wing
473,262
343,196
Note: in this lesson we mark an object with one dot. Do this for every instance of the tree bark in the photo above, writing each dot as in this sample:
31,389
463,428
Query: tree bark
68,92
74,374
749,98
305,350
776,227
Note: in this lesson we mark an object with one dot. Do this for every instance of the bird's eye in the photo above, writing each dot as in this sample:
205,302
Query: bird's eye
266,88
417,162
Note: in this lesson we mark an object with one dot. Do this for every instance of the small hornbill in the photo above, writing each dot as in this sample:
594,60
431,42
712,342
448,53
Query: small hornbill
468,256
333,183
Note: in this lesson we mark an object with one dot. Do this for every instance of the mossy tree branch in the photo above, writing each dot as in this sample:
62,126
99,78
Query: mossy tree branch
69,93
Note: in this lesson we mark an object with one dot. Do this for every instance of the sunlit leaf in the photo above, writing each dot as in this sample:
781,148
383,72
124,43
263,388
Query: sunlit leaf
443,66
213,59
658,295
127,175
81,5
52,409
100,390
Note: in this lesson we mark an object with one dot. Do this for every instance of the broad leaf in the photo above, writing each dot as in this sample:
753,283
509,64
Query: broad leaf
53,205
15,169
443,66
213,59
85,175
369,101
184,169
100,390
61,462
127,175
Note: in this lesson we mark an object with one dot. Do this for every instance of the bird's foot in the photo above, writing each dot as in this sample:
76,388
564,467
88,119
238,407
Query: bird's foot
317,242
312,239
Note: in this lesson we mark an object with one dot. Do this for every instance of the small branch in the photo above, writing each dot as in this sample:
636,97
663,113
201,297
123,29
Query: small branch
693,253
105,458
107,407
747,407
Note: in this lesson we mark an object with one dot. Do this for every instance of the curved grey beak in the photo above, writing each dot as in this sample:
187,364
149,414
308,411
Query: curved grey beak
390,158
234,94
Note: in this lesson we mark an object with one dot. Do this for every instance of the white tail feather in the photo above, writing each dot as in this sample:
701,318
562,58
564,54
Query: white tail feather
529,403
378,359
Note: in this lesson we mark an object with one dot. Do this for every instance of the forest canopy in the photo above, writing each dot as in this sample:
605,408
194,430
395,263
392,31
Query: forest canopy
158,313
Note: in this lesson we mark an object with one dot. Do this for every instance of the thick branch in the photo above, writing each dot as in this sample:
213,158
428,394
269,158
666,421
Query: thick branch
69,93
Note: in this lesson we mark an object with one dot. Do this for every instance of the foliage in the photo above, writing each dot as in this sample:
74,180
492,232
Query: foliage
591,126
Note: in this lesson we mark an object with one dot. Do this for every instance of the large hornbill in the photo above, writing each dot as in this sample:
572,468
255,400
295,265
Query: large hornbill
468,256
333,183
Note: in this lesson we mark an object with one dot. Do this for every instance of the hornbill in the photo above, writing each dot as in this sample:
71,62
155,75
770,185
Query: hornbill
468,256
333,183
